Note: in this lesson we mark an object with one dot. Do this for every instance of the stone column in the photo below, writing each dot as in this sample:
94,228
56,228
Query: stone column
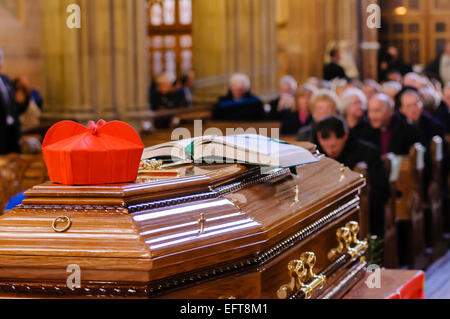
234,36
369,44
302,36
99,70
306,28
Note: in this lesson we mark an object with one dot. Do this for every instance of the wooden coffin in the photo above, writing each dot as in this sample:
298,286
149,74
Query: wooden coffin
211,231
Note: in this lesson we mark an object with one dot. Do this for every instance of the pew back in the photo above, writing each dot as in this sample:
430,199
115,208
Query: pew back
18,173
434,231
406,174
390,255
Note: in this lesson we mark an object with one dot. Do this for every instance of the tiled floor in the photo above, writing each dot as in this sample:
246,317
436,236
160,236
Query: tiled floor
437,279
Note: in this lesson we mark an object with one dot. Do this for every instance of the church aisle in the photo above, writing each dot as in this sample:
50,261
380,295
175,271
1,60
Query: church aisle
437,282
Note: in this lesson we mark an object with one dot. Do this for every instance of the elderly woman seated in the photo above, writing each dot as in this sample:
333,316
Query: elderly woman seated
391,89
324,103
164,97
371,88
239,104
286,99
298,116
353,108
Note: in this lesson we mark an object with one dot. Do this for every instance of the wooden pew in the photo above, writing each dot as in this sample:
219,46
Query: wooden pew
409,208
390,252
18,173
390,255
261,128
433,206
364,224
172,118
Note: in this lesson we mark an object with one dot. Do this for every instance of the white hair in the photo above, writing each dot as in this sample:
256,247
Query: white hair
384,98
413,75
165,78
326,85
313,80
391,86
347,96
336,83
374,84
287,79
241,79
310,88
430,98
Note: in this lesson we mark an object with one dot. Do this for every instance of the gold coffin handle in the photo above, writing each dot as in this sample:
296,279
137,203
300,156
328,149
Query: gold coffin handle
348,242
61,224
312,281
302,277
358,246
297,273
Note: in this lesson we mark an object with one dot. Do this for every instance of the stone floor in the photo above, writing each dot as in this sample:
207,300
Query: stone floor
437,279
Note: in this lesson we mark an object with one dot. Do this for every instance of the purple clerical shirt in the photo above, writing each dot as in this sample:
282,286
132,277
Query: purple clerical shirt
385,137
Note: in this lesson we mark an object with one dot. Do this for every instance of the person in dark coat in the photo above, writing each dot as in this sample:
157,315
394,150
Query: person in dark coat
10,131
443,111
387,130
239,104
164,97
398,97
443,114
391,61
286,99
324,103
412,110
333,70
336,142
431,104
440,67
186,89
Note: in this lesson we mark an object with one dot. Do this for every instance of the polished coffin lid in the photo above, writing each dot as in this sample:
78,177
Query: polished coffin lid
164,226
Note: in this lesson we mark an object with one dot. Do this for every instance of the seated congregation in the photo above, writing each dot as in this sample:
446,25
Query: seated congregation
395,132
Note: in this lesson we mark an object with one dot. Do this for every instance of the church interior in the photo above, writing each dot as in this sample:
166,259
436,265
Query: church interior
353,97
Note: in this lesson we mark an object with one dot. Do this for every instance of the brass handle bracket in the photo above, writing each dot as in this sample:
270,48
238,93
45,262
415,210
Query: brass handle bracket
303,278
348,242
